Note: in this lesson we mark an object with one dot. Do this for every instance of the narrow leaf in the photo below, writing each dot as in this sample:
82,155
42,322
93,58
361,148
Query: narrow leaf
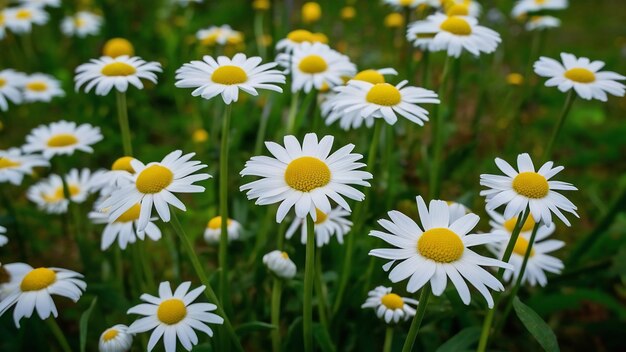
84,324
461,341
252,327
536,326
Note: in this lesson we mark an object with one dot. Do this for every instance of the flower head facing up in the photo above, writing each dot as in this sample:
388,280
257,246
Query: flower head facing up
11,83
124,228
115,339
62,138
305,176
279,263
390,306
21,19
41,87
214,230
82,24
49,194
107,73
523,7
524,187
438,250
221,35
297,37
14,165
334,223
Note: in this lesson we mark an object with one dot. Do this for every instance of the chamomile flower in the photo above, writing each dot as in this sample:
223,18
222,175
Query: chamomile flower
411,3
41,87
524,187
115,339
523,7
41,3
82,24
438,252
14,165
62,137
3,239
582,75
333,223
462,8
214,35
279,264
154,184
49,194
421,34
214,230
390,306
22,18
124,228
542,22
315,65
305,177
30,288
226,76
539,261
10,83
107,73
174,316
295,38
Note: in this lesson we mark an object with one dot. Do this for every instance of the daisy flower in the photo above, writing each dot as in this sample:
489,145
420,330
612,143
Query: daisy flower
226,76
124,228
305,176
295,38
174,316
215,35
62,138
278,262
49,194
21,19
14,165
214,230
326,225
82,24
115,47
107,73
581,74
315,65
523,7
115,339
3,239
457,211
154,184
539,262
542,22
41,3
10,83
462,8
30,288
412,3
390,306
41,87
438,252
524,187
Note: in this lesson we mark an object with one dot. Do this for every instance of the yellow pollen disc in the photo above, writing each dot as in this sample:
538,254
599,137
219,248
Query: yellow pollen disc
456,25
229,75
406,2
441,245
200,135
216,223
540,2
118,69
37,86
6,163
131,214
319,38
123,164
79,22
62,140
384,94
531,185
154,179
2,80
514,79
59,194
313,64
394,20
307,173
171,311
458,10
580,75
371,76
521,246
284,255
38,279
321,217
117,47
509,225
261,5
23,14
109,335
300,36
392,301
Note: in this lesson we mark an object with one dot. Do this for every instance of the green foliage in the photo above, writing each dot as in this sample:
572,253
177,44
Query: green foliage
536,326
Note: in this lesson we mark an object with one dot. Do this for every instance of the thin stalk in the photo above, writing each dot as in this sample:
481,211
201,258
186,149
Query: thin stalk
437,132
122,115
319,290
571,96
417,319
145,262
277,290
388,339
223,249
258,33
265,117
293,112
307,310
426,69
58,334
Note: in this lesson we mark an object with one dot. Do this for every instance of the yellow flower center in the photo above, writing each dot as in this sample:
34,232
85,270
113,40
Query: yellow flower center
79,22
284,255
131,214
6,163
319,38
456,25
514,79
200,135
313,64
441,245
62,140
154,179
229,75
37,86
384,94
540,2
371,76
38,279
531,185
311,12
109,335
210,39
321,217
300,36
123,164
216,223
59,194
118,69
117,47
406,2
580,75
24,14
392,301
521,246
509,225
261,5
394,20
307,173
2,80
458,10
171,311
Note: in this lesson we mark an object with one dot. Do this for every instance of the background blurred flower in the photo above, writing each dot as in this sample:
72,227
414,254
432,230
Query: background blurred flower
390,306
278,262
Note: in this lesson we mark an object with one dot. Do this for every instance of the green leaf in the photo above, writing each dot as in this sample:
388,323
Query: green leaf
84,324
323,338
252,327
536,326
461,341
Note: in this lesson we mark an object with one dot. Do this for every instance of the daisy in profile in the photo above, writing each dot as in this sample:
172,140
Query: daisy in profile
215,35
225,76
438,250
115,339
174,316
523,7
539,261
390,306
326,225
214,229
107,73
14,165
115,47
462,8
305,177
41,3
124,228
279,264
41,87
582,75
82,24
3,239
49,194
421,34
314,65
22,18
522,188
30,288
10,83
62,138
154,184
295,38
542,22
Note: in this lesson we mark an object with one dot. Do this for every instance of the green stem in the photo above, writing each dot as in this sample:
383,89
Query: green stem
258,33
208,292
58,334
307,312
319,289
145,262
571,96
260,137
417,319
122,115
388,339
223,248
437,135
293,112
426,69
276,293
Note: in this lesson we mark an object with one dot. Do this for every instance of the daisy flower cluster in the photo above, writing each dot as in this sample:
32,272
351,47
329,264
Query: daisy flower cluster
17,87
